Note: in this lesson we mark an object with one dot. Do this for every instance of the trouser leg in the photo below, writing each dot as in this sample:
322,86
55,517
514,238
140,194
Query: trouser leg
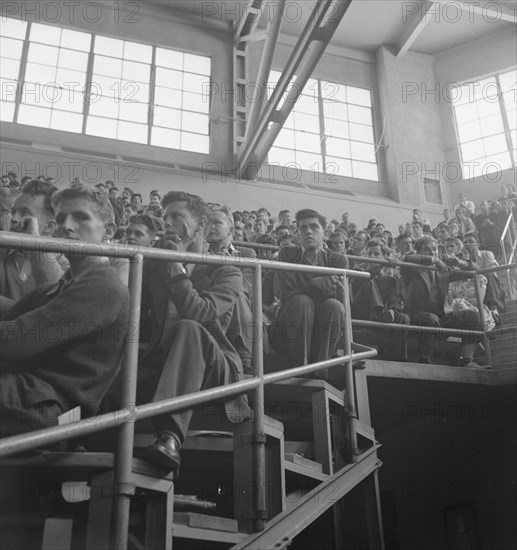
292,334
427,340
194,362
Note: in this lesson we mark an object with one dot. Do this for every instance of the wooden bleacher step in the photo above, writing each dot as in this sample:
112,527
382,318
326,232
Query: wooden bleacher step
300,465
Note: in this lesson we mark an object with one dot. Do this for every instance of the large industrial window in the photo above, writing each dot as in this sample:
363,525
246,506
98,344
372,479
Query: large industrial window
54,79
12,36
63,79
329,130
486,121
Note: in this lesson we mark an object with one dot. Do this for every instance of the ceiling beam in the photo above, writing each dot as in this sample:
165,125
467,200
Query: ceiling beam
316,35
491,11
414,26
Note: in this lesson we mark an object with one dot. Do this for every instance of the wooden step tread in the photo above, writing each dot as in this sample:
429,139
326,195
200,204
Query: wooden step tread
304,470
302,461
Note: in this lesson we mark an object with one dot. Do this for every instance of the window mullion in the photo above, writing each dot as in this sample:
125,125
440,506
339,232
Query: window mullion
506,126
323,137
152,86
87,92
22,70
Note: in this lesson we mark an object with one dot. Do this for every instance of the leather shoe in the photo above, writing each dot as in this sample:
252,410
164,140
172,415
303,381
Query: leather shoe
165,451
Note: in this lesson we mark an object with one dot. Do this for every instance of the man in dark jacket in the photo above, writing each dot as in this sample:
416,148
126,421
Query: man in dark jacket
311,317
62,343
426,291
190,310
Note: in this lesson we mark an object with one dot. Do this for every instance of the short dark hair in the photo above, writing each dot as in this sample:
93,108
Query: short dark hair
148,221
378,242
421,241
197,206
309,213
38,188
83,191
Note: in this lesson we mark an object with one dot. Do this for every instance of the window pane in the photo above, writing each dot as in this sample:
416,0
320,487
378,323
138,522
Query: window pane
195,122
285,139
34,116
496,163
194,142
365,171
307,142
469,130
7,90
169,118
195,102
169,58
466,113
138,52
68,122
363,151
472,150
103,127
11,48
130,131
338,148
494,144
40,73
359,96
105,107
14,28
307,104
332,92
45,55
309,123
309,161
109,46
165,138
508,81
7,112
75,40
336,110
136,112
75,79
167,97
340,166
135,71
337,128
359,114
70,101
70,59
45,34
134,92
107,66
488,108
491,125
169,78
361,132
197,64
280,156
196,83
10,68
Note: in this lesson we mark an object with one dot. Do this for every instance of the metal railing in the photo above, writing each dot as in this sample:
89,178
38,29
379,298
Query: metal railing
508,236
124,418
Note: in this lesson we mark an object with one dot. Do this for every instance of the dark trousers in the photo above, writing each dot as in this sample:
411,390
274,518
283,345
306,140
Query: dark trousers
194,361
392,343
306,332
466,320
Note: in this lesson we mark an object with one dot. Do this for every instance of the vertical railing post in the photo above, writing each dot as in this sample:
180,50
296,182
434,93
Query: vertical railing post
124,458
257,406
349,373
486,341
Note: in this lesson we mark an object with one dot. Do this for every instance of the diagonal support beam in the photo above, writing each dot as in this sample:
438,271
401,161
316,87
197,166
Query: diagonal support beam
281,530
414,26
249,21
256,101
491,11
315,37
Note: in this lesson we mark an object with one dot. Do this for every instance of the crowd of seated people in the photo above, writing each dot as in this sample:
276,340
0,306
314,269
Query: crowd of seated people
196,319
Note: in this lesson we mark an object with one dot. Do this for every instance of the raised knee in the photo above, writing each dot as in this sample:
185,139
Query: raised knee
333,305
